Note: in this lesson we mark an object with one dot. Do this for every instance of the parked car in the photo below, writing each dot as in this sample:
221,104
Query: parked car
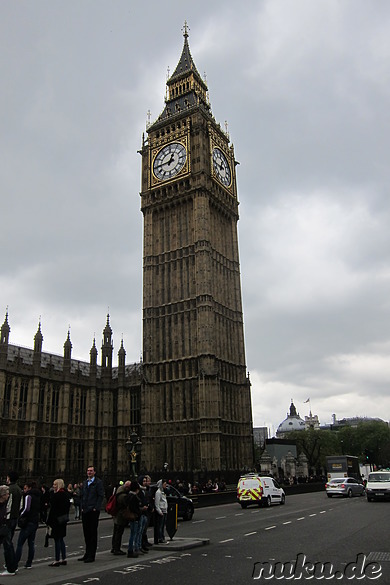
378,486
260,490
344,486
185,507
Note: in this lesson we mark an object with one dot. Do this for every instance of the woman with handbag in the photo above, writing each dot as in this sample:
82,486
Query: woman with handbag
57,520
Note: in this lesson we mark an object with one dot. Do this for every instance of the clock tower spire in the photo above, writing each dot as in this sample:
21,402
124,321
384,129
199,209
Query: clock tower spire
196,406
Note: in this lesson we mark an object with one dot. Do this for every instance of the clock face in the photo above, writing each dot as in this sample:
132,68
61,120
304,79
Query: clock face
169,161
221,167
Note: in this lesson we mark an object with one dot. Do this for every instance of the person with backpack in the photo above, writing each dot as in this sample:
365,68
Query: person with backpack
120,522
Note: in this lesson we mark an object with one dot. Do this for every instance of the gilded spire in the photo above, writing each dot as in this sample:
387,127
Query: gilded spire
185,87
185,30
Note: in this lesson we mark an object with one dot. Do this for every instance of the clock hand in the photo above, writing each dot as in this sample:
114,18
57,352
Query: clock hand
165,163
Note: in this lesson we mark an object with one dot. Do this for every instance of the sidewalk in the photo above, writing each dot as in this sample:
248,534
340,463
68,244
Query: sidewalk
74,572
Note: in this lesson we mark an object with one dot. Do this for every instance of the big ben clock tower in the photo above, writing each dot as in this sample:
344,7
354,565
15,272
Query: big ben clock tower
196,404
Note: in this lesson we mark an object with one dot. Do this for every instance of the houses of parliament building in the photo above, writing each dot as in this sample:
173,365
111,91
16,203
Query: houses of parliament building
189,399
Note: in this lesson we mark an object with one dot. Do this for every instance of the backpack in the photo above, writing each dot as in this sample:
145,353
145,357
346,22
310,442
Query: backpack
112,505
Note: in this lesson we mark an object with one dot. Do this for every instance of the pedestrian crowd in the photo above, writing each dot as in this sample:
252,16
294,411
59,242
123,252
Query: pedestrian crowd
132,504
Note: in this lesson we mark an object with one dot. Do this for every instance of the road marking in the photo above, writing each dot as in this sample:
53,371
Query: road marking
197,521
227,540
220,517
288,522
250,533
269,527
127,570
255,511
311,515
301,518
242,513
323,512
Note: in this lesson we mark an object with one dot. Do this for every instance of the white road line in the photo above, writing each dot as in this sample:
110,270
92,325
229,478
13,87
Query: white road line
250,533
197,521
288,522
227,540
269,527
311,515
302,518
242,513
220,517
323,512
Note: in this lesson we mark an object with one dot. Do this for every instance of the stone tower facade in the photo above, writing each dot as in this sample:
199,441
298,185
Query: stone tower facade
195,399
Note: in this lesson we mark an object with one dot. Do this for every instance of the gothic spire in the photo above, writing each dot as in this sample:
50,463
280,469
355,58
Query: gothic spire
68,347
38,339
185,87
5,329
186,63
93,353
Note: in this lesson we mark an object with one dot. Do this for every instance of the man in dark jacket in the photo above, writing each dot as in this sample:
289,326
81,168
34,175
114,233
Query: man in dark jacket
91,502
30,518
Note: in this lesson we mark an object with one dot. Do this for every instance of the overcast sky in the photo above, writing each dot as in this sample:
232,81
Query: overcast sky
305,88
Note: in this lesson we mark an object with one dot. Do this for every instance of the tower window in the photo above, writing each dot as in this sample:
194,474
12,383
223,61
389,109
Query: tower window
7,397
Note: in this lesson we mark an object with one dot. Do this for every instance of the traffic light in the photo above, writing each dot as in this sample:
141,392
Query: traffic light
368,455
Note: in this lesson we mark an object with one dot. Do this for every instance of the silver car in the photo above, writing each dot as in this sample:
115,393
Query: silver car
344,486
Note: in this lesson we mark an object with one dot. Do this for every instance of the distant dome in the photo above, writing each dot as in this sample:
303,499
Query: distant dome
293,422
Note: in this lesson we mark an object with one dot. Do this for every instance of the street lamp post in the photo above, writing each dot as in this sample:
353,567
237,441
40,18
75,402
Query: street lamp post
133,447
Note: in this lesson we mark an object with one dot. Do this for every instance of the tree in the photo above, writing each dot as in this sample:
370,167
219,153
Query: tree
316,445
373,443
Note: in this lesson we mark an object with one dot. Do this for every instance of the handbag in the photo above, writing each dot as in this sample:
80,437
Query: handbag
112,506
47,536
129,515
64,519
22,522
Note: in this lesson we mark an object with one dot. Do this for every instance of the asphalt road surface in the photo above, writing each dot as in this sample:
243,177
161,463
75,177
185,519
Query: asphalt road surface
347,538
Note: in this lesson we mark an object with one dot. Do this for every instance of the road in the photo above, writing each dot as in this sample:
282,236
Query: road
309,528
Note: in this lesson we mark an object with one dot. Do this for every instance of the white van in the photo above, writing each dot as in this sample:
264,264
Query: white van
261,490
378,486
